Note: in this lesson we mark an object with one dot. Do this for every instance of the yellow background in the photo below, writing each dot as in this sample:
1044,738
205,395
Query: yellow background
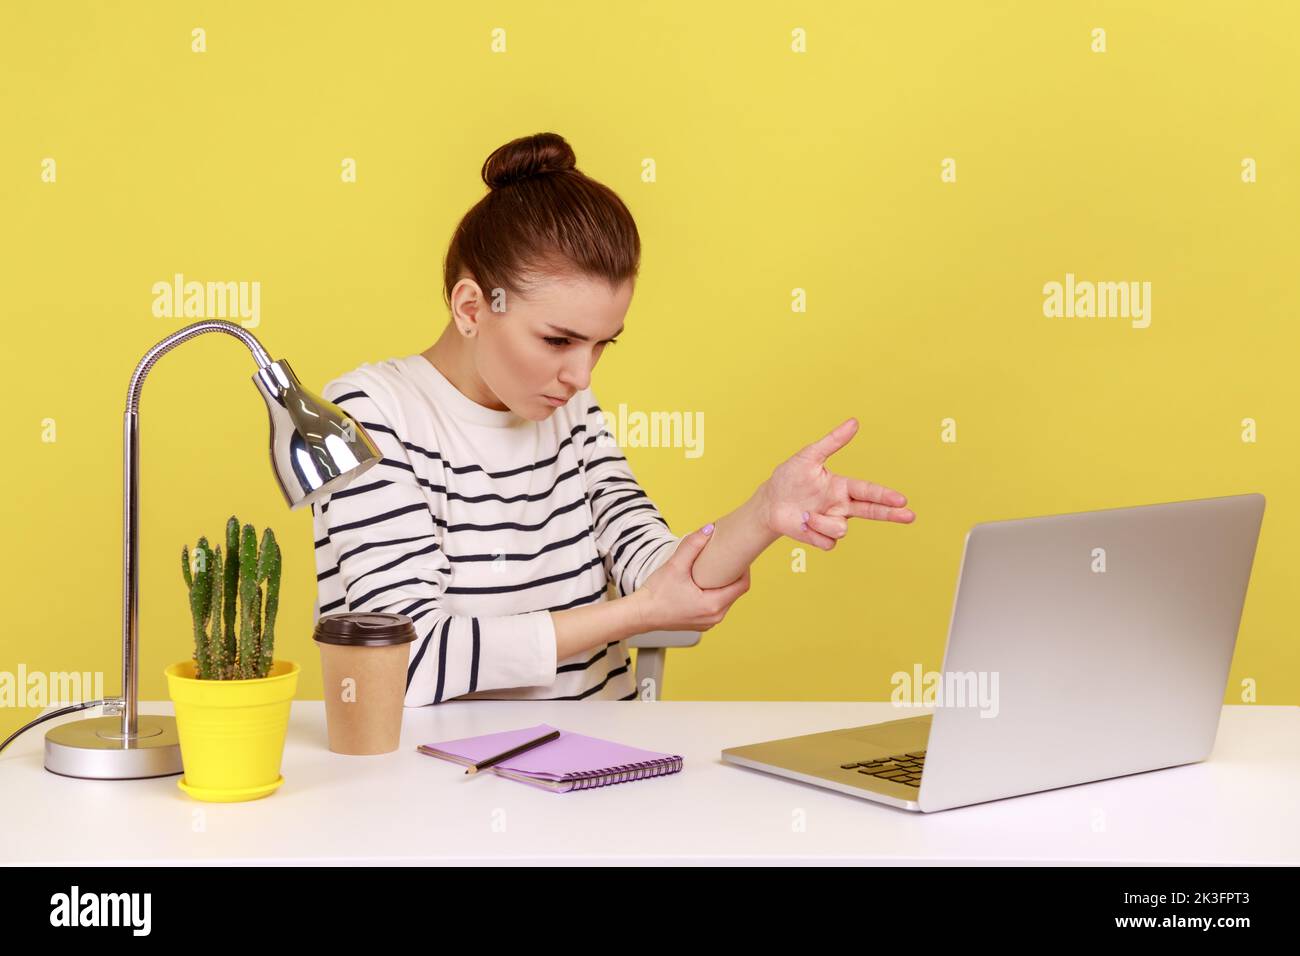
775,171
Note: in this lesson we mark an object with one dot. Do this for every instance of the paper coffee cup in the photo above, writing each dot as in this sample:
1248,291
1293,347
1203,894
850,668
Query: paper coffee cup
363,666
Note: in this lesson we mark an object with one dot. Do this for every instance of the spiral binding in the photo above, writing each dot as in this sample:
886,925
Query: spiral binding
623,773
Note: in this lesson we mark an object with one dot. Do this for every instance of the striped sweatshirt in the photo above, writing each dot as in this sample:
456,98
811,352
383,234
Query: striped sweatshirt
477,524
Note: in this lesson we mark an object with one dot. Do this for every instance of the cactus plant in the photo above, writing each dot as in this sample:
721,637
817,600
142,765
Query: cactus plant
216,646
268,570
249,621
223,651
200,603
231,595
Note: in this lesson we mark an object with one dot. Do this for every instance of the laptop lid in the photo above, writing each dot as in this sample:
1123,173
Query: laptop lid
1103,640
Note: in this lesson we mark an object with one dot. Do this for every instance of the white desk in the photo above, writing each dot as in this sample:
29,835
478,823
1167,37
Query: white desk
405,807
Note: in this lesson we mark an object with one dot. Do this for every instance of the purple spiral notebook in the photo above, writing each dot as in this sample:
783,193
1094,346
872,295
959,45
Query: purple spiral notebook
570,762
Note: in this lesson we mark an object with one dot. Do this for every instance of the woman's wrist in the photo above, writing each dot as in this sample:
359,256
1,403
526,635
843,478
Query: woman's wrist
740,537
640,607
760,505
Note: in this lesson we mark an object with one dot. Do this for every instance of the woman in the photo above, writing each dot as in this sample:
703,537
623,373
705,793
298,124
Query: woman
502,507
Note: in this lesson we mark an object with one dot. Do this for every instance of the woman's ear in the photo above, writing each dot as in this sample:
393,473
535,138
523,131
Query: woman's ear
467,305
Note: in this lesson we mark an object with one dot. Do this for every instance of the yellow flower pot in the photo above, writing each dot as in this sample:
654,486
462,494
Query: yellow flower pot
231,731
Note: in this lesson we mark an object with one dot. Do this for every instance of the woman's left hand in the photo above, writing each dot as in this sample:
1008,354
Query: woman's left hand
805,501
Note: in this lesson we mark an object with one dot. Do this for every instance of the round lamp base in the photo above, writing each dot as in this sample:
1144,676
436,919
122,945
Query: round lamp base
95,749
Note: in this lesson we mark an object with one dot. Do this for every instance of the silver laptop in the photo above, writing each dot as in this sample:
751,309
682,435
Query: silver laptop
1082,646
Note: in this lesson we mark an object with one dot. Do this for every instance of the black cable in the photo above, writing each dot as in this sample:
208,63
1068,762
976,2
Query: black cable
70,709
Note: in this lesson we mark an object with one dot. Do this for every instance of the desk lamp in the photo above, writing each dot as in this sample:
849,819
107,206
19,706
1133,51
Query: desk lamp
316,449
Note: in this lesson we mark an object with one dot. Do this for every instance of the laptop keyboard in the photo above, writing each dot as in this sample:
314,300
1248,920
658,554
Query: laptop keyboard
900,768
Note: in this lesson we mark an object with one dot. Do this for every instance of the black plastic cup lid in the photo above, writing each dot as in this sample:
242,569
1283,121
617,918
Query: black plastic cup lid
364,629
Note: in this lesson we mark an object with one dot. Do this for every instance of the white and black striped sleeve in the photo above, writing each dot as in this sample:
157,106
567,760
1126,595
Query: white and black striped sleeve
384,533
631,535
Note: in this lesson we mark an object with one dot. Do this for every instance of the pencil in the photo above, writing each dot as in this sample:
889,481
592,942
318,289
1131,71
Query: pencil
484,764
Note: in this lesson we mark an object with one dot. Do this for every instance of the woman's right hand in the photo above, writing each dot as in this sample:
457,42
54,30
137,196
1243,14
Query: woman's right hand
670,600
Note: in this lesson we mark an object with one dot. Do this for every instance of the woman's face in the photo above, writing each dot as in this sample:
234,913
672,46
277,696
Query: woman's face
526,348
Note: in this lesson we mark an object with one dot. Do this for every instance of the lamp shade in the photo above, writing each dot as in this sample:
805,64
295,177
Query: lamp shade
316,447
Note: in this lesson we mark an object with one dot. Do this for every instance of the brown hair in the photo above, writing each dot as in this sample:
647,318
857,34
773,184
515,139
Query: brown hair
541,216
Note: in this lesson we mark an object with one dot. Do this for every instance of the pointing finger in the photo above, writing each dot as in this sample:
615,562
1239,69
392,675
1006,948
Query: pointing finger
870,491
878,512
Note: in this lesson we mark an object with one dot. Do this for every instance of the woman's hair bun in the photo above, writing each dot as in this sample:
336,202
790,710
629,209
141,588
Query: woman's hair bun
526,157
